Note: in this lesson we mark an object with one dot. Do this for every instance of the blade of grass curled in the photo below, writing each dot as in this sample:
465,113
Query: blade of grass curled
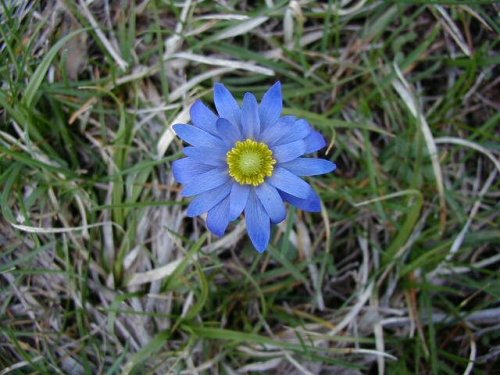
40,72
402,87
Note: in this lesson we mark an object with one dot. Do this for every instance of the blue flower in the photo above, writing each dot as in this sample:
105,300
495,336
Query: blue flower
248,159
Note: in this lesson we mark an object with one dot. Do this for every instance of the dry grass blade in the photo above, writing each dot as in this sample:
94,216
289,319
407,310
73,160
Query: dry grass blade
155,274
472,145
403,89
234,65
240,29
453,30
111,50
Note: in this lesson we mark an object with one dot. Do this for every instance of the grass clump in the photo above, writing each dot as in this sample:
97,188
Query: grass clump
101,271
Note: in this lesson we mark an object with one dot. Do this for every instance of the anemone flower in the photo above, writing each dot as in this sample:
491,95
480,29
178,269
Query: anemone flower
248,160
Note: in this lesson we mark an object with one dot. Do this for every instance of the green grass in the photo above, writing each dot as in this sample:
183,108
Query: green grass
101,272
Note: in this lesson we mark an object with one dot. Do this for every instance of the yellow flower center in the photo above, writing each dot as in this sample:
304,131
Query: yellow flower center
250,162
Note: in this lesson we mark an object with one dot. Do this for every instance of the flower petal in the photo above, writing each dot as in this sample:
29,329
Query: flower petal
203,118
197,137
289,151
311,204
210,156
218,218
309,166
274,132
298,130
238,200
272,202
205,201
226,105
185,169
205,181
228,131
314,142
271,106
250,122
258,225
286,181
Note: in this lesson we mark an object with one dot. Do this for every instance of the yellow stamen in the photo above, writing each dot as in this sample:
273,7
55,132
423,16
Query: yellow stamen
250,162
